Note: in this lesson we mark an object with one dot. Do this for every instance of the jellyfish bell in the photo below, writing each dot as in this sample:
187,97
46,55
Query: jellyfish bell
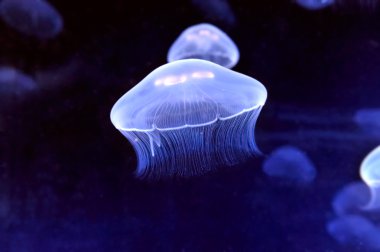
290,164
370,174
32,17
351,199
207,42
13,82
355,229
189,117
315,4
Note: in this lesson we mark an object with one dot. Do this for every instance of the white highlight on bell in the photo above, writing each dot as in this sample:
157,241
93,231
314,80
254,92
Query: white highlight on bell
370,174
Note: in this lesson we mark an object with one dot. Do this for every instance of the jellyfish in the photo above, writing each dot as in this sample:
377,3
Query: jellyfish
351,199
15,83
189,117
207,42
218,10
290,163
32,17
315,4
369,120
355,229
370,174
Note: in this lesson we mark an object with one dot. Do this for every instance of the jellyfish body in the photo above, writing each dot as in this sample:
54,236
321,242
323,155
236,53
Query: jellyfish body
370,174
351,199
31,17
291,164
369,120
353,230
189,117
315,4
15,83
207,42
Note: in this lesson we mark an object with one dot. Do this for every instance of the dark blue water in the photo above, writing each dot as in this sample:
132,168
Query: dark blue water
66,174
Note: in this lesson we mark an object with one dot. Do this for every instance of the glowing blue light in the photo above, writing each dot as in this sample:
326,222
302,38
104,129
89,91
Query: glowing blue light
31,17
14,82
190,116
355,230
290,163
370,174
369,120
207,42
315,4
351,199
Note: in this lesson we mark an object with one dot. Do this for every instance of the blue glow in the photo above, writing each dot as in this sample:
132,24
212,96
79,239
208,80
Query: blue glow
14,82
207,42
290,163
189,116
351,199
315,4
31,17
369,120
370,174
354,230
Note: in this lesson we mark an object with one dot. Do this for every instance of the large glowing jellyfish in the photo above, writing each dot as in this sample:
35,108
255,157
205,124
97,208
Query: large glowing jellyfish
189,117
370,174
207,42
32,17
315,4
291,164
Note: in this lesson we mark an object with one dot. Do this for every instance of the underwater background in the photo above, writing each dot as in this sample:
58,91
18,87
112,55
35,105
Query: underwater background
67,178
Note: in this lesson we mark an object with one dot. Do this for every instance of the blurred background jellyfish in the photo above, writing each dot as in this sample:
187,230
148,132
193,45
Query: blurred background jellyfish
291,164
355,229
207,42
315,4
189,117
351,199
369,120
32,17
14,83
217,10
370,174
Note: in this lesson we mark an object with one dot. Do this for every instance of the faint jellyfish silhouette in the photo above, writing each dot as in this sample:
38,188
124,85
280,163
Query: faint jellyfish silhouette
355,230
291,164
217,10
315,4
15,83
32,17
370,174
189,117
351,199
207,42
369,120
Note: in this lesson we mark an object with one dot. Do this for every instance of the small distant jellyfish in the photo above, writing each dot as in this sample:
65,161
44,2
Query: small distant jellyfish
370,174
315,4
32,17
15,83
351,199
369,120
189,117
353,230
207,42
217,10
291,164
